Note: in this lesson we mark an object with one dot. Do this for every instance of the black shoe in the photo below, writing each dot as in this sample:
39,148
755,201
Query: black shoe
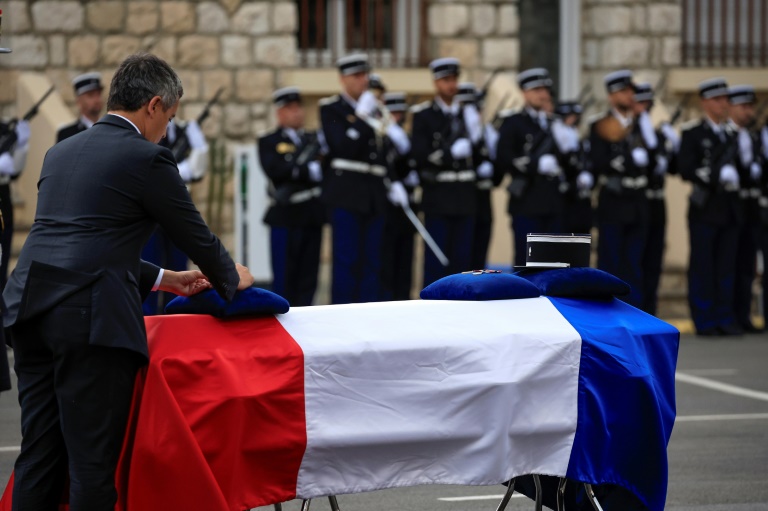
709,332
732,330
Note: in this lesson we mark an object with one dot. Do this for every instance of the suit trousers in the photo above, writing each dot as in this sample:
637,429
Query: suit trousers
357,241
453,234
711,274
295,253
75,400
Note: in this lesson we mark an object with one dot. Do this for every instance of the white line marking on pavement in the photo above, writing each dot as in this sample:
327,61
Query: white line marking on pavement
722,387
726,417
712,372
479,497
12,448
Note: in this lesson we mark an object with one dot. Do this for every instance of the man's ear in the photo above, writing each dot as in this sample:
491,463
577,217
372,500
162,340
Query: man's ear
154,104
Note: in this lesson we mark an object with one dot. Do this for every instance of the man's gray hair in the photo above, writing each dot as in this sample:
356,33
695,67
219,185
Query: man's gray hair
140,78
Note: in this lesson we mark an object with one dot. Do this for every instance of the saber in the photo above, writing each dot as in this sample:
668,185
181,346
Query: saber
425,235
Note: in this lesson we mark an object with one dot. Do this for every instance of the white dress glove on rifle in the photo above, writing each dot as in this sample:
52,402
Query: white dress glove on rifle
397,194
22,133
646,129
491,140
473,122
729,176
195,135
567,138
755,171
461,149
399,137
548,165
640,157
367,104
315,171
585,180
485,170
662,164
671,135
6,164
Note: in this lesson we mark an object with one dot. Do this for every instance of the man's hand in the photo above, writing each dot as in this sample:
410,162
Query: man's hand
184,283
246,279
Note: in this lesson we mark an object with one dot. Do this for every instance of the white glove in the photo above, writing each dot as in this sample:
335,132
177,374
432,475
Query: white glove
412,179
661,165
729,175
367,104
20,159
195,135
399,137
566,137
460,149
22,133
473,122
6,164
485,170
491,140
315,171
640,157
185,170
649,134
397,194
755,171
548,165
585,180
671,135
198,162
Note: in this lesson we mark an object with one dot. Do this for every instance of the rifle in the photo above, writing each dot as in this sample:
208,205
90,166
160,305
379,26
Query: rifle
679,109
585,91
181,147
544,144
726,155
310,151
7,141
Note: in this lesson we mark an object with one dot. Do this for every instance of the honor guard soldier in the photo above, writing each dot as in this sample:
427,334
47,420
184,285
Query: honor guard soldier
748,163
707,158
653,253
397,257
355,189
579,180
622,161
188,145
527,151
12,162
487,180
445,138
290,159
88,89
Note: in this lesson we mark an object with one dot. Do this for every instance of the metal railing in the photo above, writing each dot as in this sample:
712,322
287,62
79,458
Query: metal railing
725,33
391,32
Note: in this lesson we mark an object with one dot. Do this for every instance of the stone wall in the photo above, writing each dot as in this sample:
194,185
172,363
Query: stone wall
235,44
641,35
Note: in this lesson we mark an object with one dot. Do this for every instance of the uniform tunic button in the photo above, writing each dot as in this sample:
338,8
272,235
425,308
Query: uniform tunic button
373,156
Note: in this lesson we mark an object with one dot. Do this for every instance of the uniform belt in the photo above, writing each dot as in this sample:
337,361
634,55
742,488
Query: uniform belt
455,176
305,195
485,184
655,194
634,183
358,166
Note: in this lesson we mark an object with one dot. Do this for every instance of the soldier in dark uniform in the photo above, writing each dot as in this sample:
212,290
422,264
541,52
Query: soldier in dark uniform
621,159
748,163
188,144
707,158
662,149
527,150
90,103
487,179
397,256
289,158
355,185
445,139
579,180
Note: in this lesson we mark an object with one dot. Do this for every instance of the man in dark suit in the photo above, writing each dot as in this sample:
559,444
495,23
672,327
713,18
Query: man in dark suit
88,91
527,151
74,299
355,183
446,137
707,158
622,160
290,159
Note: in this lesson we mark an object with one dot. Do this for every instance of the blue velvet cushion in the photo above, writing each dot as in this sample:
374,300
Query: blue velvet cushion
480,286
249,302
577,283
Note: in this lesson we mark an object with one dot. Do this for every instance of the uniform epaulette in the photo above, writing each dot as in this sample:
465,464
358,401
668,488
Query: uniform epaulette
328,101
690,124
421,106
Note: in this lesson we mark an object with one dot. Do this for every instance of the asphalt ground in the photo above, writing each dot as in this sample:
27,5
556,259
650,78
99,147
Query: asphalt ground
718,453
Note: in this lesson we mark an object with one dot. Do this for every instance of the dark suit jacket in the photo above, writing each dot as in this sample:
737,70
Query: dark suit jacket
100,195
70,130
